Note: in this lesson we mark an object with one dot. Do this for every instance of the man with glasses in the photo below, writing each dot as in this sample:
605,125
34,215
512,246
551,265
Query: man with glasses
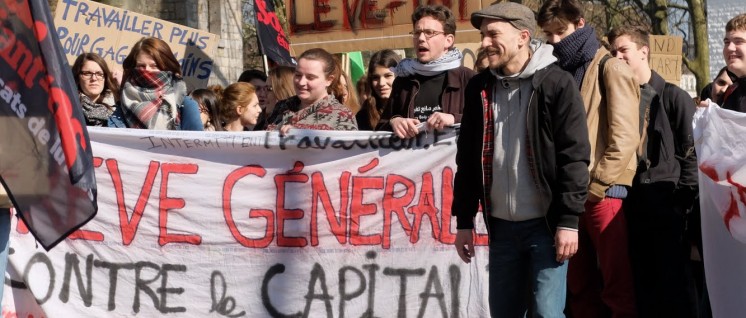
430,87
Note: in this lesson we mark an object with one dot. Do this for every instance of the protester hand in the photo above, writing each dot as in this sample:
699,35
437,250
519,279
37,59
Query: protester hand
285,129
440,120
404,127
566,242
704,103
465,244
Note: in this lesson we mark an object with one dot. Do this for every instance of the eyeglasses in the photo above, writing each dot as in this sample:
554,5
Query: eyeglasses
265,88
87,74
428,33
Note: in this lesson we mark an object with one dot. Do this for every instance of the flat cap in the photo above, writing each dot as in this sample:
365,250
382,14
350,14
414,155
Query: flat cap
518,15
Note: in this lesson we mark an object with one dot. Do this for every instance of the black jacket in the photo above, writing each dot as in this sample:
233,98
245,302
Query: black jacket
670,155
405,89
737,99
558,148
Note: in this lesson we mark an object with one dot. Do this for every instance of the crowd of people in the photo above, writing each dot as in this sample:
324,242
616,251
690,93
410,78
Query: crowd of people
587,167
579,156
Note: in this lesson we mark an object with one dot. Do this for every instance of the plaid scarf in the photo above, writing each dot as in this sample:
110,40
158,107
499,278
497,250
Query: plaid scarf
448,61
151,100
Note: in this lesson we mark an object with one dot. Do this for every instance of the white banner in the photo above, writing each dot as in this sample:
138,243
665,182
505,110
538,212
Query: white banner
721,152
318,224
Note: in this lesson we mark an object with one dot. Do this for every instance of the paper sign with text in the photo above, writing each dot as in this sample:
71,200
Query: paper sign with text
86,26
316,224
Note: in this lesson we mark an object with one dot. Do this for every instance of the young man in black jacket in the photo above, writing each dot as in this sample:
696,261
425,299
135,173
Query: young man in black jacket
664,186
523,153
734,52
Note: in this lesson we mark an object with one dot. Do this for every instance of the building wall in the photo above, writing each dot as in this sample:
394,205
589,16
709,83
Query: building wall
718,14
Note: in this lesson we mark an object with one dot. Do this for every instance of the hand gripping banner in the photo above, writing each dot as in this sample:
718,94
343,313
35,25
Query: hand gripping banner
45,155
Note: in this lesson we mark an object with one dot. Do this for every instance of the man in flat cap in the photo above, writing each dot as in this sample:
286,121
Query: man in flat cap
523,133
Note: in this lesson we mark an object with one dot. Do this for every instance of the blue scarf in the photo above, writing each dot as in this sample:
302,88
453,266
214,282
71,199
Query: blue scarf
576,51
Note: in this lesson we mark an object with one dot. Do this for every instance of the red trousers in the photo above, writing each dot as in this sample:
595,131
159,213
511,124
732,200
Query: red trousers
599,276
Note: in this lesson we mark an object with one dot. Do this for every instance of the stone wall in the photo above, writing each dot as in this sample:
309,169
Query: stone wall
228,57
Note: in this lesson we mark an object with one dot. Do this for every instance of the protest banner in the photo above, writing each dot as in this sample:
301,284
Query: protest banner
86,26
362,25
45,157
316,224
721,155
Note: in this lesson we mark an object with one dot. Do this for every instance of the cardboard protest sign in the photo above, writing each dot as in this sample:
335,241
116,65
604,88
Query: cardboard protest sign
313,224
665,56
359,25
86,26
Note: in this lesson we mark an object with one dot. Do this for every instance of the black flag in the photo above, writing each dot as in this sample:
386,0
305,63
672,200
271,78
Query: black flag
46,163
272,38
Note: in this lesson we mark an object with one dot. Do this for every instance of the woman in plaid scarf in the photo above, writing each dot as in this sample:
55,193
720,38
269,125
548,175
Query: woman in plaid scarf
153,92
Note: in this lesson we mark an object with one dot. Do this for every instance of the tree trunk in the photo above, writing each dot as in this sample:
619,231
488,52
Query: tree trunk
700,64
659,16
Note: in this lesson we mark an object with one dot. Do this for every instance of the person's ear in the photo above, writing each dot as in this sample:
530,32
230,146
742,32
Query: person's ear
450,40
525,37
645,52
580,23
329,81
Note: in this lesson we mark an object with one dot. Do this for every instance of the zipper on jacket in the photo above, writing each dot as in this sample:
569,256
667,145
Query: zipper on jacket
534,169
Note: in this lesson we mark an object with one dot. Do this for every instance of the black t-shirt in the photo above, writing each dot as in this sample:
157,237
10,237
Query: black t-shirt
427,100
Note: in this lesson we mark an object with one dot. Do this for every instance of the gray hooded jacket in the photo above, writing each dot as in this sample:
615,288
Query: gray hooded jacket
514,195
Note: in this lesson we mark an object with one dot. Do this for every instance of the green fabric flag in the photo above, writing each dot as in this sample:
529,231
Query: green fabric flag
357,69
